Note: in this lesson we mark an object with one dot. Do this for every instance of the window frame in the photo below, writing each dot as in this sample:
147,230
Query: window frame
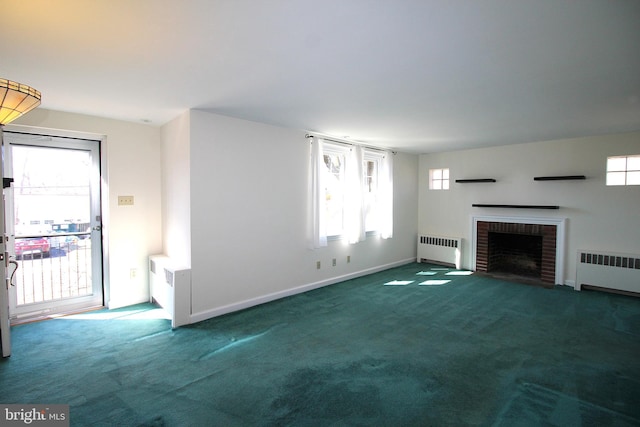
376,157
623,171
437,180
333,149
369,155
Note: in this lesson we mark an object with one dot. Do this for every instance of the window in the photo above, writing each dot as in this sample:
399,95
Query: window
334,180
438,179
371,190
335,160
623,170
351,193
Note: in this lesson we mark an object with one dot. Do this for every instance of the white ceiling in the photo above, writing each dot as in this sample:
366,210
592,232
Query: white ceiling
414,75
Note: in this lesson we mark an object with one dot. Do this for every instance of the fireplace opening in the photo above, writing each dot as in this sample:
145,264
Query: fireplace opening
517,254
517,251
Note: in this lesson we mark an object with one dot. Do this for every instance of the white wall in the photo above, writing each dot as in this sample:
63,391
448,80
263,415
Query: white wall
227,197
248,217
176,201
133,168
599,217
235,194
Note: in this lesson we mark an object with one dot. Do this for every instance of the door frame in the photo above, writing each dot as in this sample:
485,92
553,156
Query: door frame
104,185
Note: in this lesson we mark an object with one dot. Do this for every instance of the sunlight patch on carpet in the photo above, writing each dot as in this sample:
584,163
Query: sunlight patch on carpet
426,273
398,283
133,314
153,335
459,273
434,282
233,342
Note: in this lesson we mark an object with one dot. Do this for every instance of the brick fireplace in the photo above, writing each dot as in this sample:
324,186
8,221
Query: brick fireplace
526,248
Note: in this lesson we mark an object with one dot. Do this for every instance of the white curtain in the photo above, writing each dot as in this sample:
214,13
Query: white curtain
354,198
354,205
317,220
386,196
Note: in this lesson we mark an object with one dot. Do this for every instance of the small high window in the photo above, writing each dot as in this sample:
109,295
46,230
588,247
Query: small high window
623,170
438,179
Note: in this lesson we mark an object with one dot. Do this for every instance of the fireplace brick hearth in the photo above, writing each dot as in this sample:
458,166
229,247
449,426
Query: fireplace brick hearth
548,234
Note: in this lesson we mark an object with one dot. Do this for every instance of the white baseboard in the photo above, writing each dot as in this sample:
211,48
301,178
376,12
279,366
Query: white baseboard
230,308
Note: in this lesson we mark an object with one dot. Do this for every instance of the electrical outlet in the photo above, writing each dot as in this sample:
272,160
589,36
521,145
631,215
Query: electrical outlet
133,273
318,265
125,200
348,259
334,262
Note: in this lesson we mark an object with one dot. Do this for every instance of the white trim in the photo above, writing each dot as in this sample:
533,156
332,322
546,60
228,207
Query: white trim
336,149
442,180
5,326
560,224
219,311
106,228
54,132
373,155
104,184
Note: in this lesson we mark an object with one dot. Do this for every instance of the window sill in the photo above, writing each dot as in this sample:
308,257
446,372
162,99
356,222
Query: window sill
339,237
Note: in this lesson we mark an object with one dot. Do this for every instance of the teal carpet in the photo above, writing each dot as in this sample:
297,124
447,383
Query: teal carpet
442,350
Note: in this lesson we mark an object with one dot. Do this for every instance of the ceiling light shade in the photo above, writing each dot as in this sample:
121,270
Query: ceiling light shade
15,100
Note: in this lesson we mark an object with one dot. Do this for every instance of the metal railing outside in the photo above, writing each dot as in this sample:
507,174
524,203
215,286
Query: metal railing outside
52,268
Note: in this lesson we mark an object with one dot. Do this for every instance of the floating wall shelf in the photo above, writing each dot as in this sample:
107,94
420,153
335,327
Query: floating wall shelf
475,205
558,178
467,181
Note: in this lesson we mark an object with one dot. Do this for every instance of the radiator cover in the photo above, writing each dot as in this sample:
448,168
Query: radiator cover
170,288
608,270
441,250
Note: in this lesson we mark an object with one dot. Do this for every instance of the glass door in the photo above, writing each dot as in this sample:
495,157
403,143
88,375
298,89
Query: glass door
54,225
5,327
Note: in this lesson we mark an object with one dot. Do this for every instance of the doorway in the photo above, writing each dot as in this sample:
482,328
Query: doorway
53,224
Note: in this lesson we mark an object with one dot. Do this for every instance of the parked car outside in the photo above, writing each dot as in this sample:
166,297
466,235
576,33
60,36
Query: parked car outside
68,242
31,246
63,242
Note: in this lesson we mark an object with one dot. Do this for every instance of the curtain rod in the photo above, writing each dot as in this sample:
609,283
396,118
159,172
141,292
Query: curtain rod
348,143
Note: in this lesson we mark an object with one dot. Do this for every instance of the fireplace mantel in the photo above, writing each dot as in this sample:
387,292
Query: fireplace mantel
560,224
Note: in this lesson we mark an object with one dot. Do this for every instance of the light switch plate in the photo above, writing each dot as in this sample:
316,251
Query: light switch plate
125,200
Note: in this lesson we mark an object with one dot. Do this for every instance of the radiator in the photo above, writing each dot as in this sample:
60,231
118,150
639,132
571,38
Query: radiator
608,270
441,250
170,288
